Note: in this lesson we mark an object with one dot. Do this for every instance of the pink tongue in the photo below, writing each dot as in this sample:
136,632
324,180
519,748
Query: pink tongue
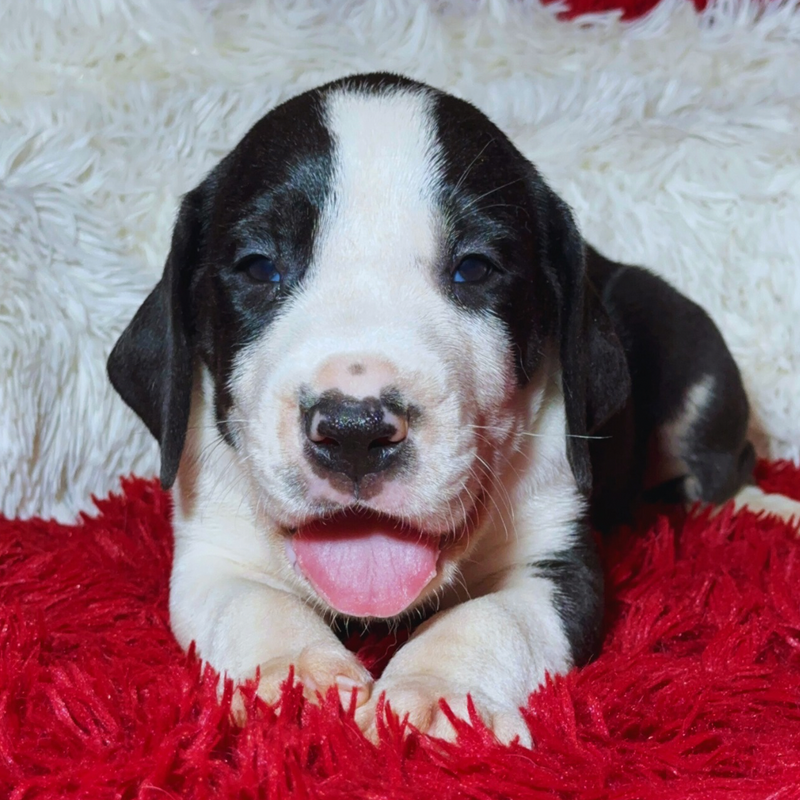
363,567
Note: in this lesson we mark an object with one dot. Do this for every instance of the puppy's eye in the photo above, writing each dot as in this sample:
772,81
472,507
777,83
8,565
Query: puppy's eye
261,269
472,269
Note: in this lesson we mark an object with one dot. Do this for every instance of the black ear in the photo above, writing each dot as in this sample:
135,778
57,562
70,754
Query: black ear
594,370
151,364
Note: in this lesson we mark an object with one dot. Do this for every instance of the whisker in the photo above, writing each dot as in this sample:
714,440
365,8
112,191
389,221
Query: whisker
538,435
469,209
559,435
503,491
459,578
480,197
471,165
489,510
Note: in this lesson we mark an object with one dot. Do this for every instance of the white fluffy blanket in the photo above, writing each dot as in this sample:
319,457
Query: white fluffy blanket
676,139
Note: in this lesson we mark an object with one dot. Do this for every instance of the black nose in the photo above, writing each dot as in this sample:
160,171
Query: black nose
354,437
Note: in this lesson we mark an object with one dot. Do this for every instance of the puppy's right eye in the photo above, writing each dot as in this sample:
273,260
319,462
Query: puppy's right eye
261,269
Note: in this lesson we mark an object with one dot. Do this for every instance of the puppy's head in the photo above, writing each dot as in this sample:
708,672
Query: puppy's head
367,283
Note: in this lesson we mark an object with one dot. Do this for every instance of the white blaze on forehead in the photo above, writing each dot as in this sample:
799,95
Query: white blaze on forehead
382,202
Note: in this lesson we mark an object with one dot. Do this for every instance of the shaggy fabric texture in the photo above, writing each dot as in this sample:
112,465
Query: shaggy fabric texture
695,694
630,9
674,137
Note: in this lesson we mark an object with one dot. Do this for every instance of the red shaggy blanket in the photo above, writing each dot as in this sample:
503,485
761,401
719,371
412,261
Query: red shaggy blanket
695,694
629,9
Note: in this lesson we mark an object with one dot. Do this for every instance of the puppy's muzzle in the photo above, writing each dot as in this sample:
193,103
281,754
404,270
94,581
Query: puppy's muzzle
354,437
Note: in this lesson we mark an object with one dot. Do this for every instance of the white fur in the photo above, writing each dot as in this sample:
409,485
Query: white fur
758,501
534,499
672,440
116,108
496,648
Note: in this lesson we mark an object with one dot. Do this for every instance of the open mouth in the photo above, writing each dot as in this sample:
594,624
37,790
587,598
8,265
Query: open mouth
365,564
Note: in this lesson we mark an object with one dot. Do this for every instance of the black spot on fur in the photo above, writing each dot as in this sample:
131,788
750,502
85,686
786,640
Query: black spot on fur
578,594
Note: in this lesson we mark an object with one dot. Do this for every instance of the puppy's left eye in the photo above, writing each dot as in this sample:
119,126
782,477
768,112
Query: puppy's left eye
261,269
472,269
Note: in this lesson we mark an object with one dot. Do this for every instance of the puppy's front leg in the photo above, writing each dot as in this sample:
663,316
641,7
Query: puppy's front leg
240,624
496,648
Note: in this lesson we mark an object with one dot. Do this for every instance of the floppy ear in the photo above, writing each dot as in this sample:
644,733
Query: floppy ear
151,364
594,371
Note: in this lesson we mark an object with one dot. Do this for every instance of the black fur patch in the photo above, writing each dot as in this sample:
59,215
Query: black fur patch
275,185
578,581
490,210
670,344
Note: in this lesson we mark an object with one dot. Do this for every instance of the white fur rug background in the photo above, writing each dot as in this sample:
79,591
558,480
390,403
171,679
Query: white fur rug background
676,139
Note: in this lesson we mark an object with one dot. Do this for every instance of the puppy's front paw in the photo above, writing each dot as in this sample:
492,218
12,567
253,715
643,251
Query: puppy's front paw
318,667
416,697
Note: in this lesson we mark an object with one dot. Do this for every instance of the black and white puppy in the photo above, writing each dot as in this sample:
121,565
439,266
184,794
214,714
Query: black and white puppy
388,376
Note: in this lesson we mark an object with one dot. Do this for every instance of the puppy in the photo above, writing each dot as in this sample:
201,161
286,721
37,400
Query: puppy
389,378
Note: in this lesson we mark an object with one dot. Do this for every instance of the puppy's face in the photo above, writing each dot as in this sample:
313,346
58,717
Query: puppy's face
366,279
